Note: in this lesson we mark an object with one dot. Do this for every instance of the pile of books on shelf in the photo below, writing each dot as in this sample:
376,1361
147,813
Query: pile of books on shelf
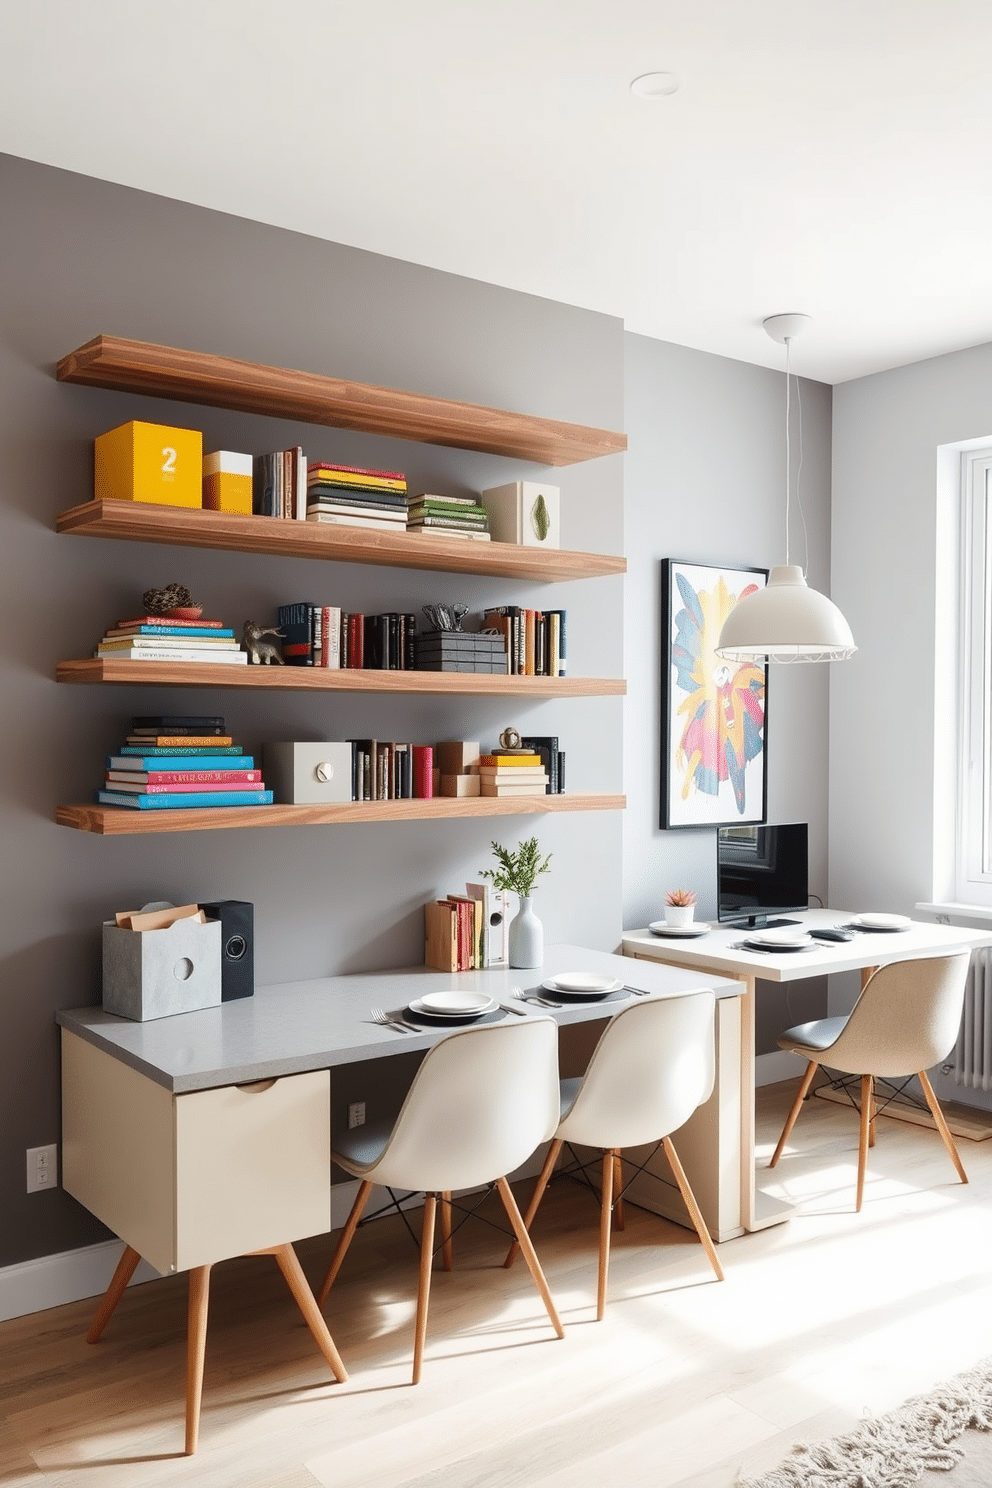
327,636
535,639
383,770
512,773
455,932
181,760
159,638
280,484
349,496
448,516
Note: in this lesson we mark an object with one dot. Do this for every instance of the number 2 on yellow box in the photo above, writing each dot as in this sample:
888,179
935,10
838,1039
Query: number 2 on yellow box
149,462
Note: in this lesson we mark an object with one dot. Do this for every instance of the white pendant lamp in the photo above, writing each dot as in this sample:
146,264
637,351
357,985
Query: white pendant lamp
786,621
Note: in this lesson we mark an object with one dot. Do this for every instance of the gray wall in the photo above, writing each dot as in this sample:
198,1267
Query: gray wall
78,257
705,481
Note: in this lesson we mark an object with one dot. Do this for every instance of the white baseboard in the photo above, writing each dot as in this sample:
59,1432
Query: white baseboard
51,1281
778,1065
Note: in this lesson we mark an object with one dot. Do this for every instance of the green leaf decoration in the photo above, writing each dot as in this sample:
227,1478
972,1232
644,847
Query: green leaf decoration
518,871
540,519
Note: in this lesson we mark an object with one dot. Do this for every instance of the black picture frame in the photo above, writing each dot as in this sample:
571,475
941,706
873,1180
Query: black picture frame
714,714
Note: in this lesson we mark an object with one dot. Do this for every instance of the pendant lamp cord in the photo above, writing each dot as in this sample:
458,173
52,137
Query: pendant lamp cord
788,455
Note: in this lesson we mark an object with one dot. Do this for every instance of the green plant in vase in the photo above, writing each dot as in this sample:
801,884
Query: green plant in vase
517,873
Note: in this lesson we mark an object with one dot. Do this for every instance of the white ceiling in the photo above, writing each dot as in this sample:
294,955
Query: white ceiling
827,156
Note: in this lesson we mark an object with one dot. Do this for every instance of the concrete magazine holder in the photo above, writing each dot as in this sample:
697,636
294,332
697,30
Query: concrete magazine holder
156,973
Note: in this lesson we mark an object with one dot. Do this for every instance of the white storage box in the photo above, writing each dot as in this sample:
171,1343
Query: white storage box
156,973
307,774
524,512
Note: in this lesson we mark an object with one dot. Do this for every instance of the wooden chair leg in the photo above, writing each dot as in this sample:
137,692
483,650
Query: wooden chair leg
797,1105
867,1098
424,1289
115,1291
605,1219
619,1217
196,1344
871,1119
447,1249
347,1235
529,1253
291,1269
941,1124
695,1213
536,1197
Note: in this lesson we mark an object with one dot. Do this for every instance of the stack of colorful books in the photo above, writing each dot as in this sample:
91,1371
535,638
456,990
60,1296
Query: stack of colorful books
181,760
448,516
512,774
349,496
159,638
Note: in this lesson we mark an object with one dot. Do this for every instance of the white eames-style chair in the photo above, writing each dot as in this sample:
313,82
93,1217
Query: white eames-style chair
905,1021
482,1101
652,1067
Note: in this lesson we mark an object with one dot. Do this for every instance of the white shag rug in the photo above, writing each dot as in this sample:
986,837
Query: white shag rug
896,1449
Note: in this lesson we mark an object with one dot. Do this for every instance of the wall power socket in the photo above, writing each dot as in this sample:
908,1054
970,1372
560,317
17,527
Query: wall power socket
42,1167
356,1114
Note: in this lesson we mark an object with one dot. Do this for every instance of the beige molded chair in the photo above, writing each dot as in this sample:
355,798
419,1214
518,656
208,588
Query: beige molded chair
482,1101
652,1067
905,1021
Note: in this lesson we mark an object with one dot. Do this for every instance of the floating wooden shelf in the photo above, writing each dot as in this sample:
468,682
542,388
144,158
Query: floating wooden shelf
117,821
224,382
195,527
316,679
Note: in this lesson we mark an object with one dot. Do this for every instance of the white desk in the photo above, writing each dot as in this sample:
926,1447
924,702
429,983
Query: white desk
719,951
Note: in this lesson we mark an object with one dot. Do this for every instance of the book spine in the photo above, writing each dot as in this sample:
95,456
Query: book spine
195,798
299,484
193,632
147,760
155,778
423,771
163,619
182,741
296,623
218,657
179,788
330,630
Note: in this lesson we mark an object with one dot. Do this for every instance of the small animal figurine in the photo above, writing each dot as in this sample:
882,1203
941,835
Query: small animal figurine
258,649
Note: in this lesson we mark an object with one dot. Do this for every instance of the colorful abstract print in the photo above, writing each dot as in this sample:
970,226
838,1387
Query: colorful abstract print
723,707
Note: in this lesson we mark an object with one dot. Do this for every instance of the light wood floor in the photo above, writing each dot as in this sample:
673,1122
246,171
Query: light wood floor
684,1382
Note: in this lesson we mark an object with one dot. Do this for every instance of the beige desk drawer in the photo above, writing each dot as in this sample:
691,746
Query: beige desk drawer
192,1179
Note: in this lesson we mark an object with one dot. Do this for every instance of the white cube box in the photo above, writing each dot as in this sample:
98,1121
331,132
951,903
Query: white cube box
524,512
307,774
158,973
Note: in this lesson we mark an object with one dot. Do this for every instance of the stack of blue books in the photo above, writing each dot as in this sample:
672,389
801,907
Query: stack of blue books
170,761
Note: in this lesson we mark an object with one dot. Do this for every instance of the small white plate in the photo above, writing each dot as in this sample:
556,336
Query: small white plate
779,939
679,932
454,1004
883,921
582,984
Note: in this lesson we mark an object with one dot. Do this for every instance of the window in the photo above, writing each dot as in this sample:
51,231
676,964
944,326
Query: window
974,854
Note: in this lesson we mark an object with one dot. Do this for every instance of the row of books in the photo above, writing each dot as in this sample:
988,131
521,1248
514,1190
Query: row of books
448,516
157,638
280,483
535,639
327,636
384,770
170,761
454,931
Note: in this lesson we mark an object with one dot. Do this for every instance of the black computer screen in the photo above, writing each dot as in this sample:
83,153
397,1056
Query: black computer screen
761,871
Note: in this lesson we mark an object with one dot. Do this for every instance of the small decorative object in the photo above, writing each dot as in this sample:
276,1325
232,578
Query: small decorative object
680,906
445,616
149,462
713,764
518,872
509,740
260,650
174,600
524,512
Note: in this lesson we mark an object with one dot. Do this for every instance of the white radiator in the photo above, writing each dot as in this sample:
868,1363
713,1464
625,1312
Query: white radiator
973,1051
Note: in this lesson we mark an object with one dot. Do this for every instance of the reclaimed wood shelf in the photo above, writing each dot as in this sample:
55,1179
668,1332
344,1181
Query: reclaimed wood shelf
250,387
109,669
196,527
119,821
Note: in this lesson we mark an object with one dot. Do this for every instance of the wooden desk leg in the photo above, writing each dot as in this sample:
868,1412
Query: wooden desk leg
291,1269
115,1291
196,1346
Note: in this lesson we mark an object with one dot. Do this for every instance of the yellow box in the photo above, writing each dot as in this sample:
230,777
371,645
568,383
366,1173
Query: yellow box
227,481
149,462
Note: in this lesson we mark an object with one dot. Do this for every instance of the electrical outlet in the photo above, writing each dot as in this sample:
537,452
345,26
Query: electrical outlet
42,1165
356,1114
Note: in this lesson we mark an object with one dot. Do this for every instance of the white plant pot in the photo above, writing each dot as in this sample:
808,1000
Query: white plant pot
679,914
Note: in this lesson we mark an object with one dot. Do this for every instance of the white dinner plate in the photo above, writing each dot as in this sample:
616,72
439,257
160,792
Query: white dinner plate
679,932
454,1004
582,984
883,921
779,940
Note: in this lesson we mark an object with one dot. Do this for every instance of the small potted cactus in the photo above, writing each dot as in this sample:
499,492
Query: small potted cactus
679,906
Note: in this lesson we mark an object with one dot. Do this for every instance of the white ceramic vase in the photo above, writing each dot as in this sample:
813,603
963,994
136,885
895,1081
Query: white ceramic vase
679,914
526,937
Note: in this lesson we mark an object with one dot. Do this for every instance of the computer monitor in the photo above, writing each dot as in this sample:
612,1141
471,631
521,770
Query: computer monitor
761,872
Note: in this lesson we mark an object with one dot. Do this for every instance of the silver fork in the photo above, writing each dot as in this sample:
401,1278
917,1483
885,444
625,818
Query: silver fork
533,997
388,1020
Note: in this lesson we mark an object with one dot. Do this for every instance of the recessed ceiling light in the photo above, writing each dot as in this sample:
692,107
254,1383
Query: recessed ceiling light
655,84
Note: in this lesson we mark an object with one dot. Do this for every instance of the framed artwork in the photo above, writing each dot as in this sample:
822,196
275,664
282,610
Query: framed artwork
713,712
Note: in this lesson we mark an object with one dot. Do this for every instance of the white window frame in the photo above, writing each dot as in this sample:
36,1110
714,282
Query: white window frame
973,869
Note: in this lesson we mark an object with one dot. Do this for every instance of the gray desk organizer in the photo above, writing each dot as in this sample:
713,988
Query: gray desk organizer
155,973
